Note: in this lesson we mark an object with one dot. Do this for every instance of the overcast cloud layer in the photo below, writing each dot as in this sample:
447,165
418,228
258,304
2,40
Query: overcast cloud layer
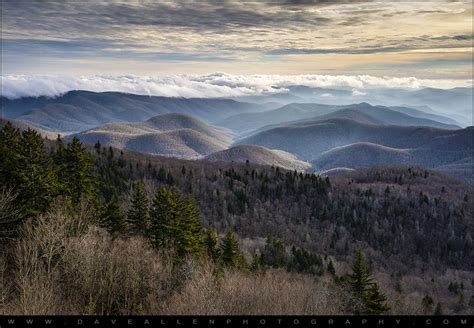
430,40
205,86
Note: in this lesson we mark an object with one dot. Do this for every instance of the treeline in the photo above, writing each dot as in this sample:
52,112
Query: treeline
38,177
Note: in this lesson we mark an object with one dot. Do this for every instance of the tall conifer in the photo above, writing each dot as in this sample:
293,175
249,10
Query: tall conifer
138,216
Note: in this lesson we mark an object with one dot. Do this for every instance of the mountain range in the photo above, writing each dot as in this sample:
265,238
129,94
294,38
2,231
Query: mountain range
81,110
330,138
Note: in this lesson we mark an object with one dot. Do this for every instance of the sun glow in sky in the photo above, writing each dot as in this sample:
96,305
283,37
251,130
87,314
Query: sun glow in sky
427,40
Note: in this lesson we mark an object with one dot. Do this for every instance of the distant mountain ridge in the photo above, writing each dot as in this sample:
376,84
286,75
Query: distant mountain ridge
347,143
168,134
363,112
81,110
304,136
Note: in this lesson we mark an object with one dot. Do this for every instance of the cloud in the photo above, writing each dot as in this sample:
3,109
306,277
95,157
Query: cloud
209,28
206,86
357,93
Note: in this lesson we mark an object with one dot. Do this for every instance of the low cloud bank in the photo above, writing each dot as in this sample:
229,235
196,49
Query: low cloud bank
205,86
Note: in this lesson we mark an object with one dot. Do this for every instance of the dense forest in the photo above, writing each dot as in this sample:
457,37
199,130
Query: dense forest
101,231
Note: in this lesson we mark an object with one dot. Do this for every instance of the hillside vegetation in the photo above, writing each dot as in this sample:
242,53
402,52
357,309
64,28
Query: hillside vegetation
215,231
259,155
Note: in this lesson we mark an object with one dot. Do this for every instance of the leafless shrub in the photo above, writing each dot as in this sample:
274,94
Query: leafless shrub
63,264
118,276
274,292
39,258
66,265
9,214
5,286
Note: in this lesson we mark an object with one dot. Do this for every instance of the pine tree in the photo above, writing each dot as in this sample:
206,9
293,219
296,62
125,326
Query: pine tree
164,216
231,255
77,177
190,237
9,154
365,289
212,244
112,217
360,279
175,224
376,302
36,182
138,216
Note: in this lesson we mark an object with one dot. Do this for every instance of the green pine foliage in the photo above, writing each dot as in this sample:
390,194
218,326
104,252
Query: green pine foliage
138,214
274,253
231,255
304,261
190,229
112,216
9,154
366,291
175,223
34,173
376,301
164,216
10,138
76,176
25,167
38,172
212,244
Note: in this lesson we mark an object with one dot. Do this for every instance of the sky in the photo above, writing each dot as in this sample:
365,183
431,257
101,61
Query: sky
429,41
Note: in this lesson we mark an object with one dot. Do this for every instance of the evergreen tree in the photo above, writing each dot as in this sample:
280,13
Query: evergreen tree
36,182
438,310
274,253
164,216
376,301
175,224
190,238
9,155
212,244
137,216
366,291
360,279
231,255
77,176
112,217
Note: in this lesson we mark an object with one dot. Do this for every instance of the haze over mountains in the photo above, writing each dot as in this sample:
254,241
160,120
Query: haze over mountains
168,134
304,129
81,110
